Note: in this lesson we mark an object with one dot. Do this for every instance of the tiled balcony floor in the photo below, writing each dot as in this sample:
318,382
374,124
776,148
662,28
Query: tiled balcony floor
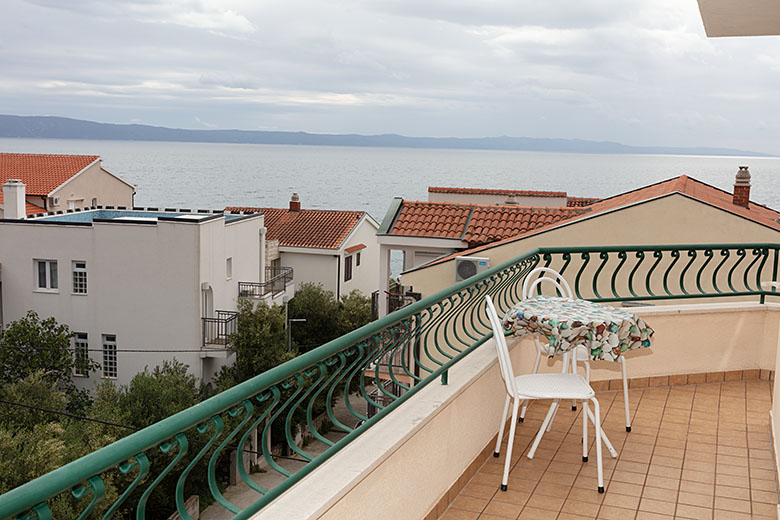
695,451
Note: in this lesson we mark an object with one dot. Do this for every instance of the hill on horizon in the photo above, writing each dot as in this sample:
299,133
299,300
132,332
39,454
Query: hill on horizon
51,127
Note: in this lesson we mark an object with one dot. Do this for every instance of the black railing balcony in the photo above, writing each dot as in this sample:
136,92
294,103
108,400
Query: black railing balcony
276,280
217,330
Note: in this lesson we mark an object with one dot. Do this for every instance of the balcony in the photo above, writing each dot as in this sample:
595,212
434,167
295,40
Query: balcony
217,330
701,444
277,279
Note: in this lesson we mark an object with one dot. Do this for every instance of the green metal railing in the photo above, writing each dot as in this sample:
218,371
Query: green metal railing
403,352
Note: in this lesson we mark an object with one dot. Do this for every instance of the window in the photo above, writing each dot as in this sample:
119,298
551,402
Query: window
81,355
109,355
347,268
79,277
94,202
357,260
46,275
71,204
229,268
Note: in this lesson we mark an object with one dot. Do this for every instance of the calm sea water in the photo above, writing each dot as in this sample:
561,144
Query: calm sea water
212,176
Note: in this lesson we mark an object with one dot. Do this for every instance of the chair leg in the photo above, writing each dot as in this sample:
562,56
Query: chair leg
501,427
537,361
510,442
604,437
584,431
574,371
625,393
542,429
597,425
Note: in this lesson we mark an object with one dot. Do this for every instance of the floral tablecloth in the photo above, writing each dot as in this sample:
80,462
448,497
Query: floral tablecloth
606,331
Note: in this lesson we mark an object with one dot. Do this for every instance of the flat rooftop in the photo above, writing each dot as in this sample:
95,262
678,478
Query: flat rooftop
136,215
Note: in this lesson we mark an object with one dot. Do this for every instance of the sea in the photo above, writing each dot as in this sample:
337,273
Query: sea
216,175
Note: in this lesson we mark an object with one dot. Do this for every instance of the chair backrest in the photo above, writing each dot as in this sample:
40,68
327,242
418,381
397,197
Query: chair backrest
529,284
507,373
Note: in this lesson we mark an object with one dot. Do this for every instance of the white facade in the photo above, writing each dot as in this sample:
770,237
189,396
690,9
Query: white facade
498,199
150,278
329,266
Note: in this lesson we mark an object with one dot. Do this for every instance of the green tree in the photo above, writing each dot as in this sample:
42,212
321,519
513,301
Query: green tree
31,345
34,391
260,342
355,312
153,396
320,310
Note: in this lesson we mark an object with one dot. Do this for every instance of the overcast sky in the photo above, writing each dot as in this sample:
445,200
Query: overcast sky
640,72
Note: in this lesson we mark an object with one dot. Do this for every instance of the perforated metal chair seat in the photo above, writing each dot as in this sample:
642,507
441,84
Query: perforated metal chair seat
553,386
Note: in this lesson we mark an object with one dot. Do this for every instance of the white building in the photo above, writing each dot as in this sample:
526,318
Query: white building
333,247
61,182
137,286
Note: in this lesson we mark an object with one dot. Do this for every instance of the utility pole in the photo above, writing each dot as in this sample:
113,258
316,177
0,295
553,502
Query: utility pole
290,321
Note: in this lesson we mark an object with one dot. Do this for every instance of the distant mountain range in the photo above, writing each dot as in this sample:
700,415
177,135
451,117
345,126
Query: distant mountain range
47,127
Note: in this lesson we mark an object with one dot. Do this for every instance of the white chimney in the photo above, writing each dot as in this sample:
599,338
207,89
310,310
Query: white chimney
14,206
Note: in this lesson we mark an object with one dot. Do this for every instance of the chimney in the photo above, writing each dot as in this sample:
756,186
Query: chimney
14,205
742,187
295,203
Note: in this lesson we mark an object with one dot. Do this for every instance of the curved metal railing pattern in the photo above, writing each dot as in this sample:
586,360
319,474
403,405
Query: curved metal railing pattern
371,371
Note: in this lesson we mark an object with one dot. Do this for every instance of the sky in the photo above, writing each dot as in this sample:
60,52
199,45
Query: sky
639,72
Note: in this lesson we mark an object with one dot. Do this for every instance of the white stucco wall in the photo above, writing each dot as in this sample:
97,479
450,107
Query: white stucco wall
492,200
364,277
94,182
143,282
310,267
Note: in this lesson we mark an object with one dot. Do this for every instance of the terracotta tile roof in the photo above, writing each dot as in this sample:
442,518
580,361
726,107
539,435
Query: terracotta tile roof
491,223
42,173
683,184
431,219
473,223
354,248
315,228
484,191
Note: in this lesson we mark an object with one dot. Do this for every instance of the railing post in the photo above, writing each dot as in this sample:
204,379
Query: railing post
445,377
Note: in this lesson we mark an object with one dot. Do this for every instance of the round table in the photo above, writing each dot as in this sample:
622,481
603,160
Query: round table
606,331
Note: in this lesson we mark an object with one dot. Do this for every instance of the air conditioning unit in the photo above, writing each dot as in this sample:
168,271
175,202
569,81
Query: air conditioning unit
468,266
55,201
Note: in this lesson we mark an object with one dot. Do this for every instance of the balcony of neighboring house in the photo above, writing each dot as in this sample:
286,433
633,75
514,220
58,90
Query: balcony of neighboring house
414,401
397,297
216,332
277,287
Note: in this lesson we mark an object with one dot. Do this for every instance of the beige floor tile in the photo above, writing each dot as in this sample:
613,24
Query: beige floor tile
458,514
694,499
623,501
646,515
720,514
532,513
666,495
657,506
763,485
615,513
624,488
470,503
502,509
545,502
760,508
696,512
580,508
732,504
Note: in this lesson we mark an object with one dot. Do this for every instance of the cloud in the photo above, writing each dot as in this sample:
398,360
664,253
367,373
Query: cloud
624,70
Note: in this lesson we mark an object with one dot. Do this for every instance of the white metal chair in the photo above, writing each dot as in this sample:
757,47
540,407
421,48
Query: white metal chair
541,386
581,353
